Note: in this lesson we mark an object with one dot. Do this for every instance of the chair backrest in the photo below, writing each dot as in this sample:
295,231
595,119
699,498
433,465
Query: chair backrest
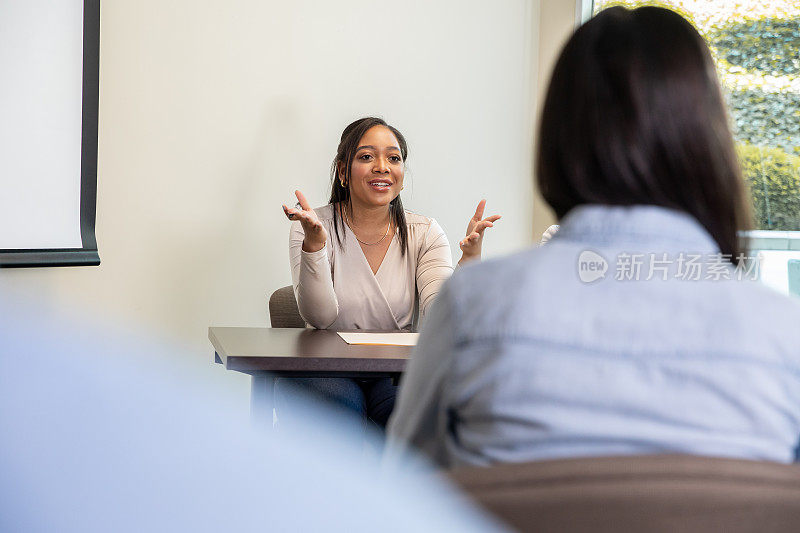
639,493
283,312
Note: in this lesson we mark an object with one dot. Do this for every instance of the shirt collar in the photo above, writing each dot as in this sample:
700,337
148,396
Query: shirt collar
641,224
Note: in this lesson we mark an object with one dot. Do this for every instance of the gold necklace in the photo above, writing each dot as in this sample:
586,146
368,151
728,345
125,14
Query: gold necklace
356,236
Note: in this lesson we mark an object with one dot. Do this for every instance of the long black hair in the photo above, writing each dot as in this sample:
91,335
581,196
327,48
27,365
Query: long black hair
634,115
340,194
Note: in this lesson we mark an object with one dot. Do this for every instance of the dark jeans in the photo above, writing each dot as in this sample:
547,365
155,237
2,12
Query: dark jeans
370,399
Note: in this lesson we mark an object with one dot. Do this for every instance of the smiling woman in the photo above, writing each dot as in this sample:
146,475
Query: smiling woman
367,175
386,264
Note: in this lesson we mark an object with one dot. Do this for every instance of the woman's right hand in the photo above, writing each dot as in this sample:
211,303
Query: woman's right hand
315,234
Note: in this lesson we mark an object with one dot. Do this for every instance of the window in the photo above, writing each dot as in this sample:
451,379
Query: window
756,45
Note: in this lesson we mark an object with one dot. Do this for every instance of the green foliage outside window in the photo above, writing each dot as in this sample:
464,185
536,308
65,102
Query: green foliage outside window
769,45
766,119
774,180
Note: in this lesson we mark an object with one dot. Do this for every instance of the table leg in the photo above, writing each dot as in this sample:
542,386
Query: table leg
262,399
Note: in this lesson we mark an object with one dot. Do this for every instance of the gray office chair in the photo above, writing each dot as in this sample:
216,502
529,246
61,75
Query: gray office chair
639,493
283,312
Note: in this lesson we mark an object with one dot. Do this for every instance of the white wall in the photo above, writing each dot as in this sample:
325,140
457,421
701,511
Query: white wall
558,20
212,113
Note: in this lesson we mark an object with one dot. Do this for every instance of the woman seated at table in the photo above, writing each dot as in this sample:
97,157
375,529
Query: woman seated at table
363,262
605,341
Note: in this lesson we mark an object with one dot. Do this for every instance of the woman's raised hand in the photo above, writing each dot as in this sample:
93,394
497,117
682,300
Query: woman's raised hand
471,244
315,234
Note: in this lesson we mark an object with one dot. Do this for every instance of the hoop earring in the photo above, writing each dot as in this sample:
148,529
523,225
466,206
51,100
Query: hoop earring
344,184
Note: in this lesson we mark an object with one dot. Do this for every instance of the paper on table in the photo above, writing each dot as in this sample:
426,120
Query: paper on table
390,339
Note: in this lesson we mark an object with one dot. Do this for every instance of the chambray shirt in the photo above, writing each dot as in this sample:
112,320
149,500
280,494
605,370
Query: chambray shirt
545,354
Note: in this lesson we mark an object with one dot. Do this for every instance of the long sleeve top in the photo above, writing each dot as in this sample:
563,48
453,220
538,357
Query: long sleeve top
336,288
607,341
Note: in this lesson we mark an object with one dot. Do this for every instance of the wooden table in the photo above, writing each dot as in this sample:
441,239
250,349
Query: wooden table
267,353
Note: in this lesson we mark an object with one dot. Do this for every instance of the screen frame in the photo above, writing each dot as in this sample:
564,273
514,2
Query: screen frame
87,255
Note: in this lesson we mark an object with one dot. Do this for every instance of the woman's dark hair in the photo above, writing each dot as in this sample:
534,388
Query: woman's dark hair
634,115
340,194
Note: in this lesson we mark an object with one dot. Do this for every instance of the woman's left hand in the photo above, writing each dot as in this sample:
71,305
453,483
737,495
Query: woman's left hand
471,244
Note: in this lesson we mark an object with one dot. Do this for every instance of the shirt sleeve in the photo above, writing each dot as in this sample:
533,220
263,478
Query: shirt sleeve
420,419
434,266
312,281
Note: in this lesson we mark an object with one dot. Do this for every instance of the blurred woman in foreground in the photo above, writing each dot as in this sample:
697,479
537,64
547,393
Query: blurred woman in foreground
634,331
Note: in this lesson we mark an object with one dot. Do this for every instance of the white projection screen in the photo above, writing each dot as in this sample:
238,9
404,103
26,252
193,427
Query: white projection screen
49,67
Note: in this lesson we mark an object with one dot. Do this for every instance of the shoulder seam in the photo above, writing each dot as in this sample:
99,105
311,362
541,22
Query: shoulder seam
420,219
327,215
